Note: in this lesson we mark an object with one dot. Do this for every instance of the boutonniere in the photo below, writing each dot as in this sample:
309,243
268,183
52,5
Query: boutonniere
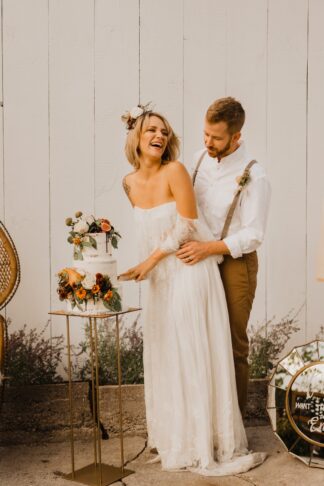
242,180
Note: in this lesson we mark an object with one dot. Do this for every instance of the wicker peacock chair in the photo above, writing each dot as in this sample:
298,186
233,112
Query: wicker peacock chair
9,281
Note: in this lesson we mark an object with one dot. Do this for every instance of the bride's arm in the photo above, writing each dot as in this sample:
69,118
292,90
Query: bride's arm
181,189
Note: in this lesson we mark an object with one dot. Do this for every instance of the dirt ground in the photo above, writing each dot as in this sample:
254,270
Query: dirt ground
42,464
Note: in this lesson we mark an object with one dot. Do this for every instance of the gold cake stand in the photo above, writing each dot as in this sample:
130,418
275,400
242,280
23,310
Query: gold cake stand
96,473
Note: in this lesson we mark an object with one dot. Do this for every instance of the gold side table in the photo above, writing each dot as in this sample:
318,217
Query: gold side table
96,473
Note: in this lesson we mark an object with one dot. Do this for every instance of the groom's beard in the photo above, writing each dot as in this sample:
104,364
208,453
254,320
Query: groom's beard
214,152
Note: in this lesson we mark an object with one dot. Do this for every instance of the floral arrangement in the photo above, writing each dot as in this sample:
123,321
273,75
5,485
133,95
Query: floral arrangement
81,229
130,117
79,287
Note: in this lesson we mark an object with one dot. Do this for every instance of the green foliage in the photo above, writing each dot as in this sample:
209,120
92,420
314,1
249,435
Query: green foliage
31,358
267,342
131,354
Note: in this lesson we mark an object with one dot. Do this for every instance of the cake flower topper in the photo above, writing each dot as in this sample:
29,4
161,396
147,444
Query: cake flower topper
130,117
82,229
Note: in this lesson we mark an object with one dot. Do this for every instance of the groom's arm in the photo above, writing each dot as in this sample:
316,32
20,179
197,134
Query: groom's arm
253,212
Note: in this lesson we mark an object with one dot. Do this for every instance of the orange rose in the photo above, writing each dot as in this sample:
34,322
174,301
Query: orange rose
95,289
108,295
72,276
76,241
105,225
81,293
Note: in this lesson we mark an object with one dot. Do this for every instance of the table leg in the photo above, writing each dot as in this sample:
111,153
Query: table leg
120,396
93,394
97,414
70,394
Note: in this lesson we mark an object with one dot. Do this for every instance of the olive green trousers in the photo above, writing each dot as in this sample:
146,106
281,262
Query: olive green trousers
239,276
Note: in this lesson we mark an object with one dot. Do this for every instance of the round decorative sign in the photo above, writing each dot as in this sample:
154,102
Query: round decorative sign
296,402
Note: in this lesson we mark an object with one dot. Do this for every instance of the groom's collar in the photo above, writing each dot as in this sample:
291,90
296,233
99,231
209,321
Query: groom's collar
237,156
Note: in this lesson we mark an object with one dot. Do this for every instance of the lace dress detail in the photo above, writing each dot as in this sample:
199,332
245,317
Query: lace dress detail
192,412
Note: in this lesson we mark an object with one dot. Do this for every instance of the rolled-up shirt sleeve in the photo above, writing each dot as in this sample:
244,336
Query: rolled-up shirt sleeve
252,211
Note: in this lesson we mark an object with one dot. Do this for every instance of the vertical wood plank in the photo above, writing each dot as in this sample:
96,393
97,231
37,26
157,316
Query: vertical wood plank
161,58
287,160
247,82
26,154
315,167
205,66
71,101
116,91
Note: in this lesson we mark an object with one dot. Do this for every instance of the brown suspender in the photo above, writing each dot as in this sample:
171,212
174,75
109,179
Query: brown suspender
194,175
231,210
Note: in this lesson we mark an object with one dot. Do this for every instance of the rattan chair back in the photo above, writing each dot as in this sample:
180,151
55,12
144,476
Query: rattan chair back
9,267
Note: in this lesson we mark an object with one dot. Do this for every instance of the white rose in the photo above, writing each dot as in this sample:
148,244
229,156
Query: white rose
89,281
136,112
81,227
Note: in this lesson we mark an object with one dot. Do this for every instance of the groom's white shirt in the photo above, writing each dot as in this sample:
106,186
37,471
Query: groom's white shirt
215,187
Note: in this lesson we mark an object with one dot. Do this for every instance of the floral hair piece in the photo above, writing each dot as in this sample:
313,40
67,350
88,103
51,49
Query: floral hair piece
130,117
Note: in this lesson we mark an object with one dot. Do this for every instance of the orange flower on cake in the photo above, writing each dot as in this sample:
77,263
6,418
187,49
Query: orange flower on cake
71,276
108,295
81,293
105,225
95,289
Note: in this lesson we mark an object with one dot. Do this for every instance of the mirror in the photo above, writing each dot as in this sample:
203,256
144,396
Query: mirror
296,403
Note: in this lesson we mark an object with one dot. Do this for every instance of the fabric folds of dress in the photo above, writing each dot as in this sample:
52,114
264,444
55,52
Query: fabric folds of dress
192,412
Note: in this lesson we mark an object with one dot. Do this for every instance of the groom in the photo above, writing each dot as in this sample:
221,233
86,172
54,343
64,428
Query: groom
217,176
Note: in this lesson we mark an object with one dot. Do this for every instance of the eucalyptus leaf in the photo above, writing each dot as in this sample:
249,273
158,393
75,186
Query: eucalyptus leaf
114,241
117,306
93,242
77,254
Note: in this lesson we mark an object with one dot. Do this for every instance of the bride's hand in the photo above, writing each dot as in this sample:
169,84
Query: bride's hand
139,272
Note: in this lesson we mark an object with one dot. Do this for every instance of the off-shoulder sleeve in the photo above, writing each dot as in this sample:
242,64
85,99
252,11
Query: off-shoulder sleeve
183,230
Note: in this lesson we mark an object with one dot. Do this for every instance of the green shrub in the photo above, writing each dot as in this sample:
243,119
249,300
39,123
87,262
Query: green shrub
31,358
267,342
131,354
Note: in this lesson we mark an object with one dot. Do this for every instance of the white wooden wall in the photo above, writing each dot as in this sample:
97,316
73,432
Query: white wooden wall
72,67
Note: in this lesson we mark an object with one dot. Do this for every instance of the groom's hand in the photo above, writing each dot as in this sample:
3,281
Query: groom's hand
193,252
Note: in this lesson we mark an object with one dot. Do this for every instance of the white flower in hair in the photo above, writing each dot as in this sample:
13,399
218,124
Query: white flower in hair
136,112
130,117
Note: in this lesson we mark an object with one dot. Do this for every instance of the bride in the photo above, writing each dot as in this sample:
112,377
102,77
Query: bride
193,417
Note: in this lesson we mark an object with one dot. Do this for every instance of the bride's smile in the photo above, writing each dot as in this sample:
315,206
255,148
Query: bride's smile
153,139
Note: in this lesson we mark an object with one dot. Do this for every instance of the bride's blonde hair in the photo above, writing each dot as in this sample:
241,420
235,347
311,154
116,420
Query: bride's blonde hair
133,139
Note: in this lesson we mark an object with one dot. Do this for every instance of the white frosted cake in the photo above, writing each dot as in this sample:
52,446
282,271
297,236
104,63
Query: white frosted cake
90,285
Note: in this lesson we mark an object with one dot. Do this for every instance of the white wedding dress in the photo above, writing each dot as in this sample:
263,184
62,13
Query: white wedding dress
193,417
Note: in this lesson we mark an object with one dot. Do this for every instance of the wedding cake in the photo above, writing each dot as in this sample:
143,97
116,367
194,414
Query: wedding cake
91,285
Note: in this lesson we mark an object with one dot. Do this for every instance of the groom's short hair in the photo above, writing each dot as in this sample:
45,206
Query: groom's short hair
228,110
